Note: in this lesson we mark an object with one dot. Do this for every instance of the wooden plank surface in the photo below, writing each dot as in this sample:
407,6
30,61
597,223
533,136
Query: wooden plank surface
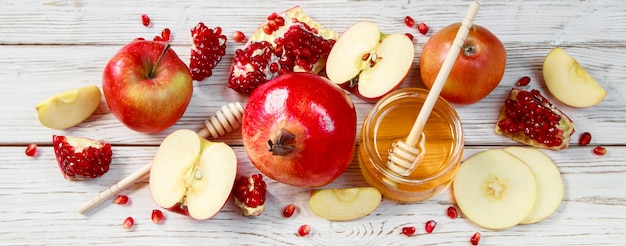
51,46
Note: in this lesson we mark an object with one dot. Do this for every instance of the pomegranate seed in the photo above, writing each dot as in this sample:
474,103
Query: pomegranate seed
422,28
599,151
410,36
430,226
157,216
238,36
584,139
267,29
452,212
145,20
165,34
31,150
304,230
272,16
289,210
475,238
408,21
121,199
408,230
128,223
280,21
523,81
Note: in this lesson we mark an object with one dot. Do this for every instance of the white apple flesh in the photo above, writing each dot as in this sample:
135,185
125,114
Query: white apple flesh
191,175
342,204
68,108
569,82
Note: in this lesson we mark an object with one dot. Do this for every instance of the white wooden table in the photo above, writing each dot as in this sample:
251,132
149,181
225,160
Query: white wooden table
50,46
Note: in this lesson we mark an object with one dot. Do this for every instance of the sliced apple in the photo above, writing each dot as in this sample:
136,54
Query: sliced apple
191,175
569,82
68,108
342,204
548,180
369,63
494,189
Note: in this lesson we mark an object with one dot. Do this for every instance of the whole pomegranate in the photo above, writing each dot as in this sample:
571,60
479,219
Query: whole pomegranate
300,129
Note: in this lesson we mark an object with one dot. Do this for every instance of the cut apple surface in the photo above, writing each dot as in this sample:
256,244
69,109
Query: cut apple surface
548,180
369,63
342,204
68,108
494,189
569,82
191,175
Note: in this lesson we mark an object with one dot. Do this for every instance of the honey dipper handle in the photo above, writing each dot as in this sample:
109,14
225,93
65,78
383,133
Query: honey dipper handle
442,76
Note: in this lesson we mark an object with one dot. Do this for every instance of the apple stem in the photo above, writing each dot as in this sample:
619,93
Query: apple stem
151,74
284,143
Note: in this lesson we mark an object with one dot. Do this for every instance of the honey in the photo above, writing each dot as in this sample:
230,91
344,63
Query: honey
390,121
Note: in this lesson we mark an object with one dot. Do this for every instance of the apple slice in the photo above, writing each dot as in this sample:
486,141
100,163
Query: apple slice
548,180
68,108
191,175
342,204
494,189
569,82
369,63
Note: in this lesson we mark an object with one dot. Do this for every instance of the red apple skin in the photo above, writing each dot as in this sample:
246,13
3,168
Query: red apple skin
317,112
474,74
142,102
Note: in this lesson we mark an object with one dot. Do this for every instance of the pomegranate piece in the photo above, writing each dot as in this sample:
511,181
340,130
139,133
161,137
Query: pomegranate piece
422,28
165,34
599,151
408,21
529,118
523,81
475,239
408,230
157,216
584,139
31,150
121,199
289,210
452,212
304,230
238,36
250,194
208,48
81,158
145,20
128,223
430,226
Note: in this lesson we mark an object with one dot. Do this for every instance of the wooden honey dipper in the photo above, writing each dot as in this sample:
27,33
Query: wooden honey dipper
225,120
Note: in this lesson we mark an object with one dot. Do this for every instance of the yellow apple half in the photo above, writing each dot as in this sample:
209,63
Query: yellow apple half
569,82
342,204
68,108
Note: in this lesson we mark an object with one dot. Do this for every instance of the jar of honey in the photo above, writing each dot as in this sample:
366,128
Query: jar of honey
390,121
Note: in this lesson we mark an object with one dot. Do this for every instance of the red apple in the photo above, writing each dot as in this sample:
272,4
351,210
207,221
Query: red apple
477,70
300,129
147,86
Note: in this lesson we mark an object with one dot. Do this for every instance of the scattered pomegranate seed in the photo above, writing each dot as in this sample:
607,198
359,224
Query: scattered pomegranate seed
599,150
238,36
422,28
584,139
128,223
410,36
31,150
408,230
430,226
165,34
475,239
289,210
121,199
408,21
523,81
145,20
304,230
157,216
452,212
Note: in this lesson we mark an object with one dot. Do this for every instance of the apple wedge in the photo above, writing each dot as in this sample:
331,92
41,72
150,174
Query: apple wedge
548,180
191,175
342,204
68,108
569,82
494,189
368,63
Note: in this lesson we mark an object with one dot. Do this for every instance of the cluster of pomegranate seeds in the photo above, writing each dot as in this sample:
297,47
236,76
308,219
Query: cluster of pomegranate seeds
300,48
128,223
209,46
31,150
523,81
289,210
121,199
599,151
584,139
452,212
430,226
408,230
157,216
80,158
145,20
239,36
274,21
422,28
304,230
475,239
408,21
250,194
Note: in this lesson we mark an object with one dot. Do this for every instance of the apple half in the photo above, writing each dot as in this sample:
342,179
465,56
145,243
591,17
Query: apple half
342,204
68,108
368,63
191,175
569,82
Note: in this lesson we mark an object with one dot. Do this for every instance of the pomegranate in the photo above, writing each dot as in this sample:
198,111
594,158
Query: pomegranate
209,46
523,81
300,129
287,42
475,239
250,194
145,20
529,118
120,199
31,150
128,223
239,36
452,212
422,28
81,158
584,139
599,151
408,230
408,21
304,230
430,226
157,216
289,210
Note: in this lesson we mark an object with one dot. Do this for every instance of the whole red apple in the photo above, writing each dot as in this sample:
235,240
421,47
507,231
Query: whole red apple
300,129
147,86
477,70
